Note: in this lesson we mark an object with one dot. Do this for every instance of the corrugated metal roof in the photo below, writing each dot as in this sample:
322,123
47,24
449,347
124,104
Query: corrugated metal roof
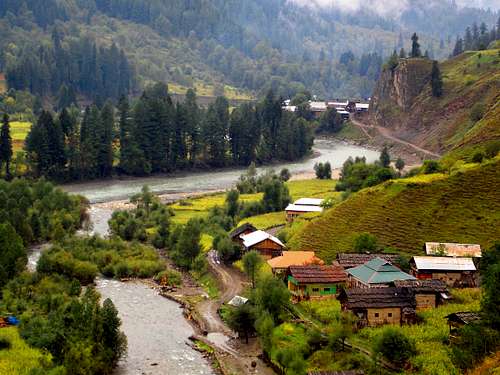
453,249
444,264
257,237
308,202
301,208
362,105
378,271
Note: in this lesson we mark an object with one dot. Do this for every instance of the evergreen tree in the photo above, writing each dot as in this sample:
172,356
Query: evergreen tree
402,53
105,152
475,36
468,42
5,146
415,47
216,132
436,80
458,49
193,126
385,158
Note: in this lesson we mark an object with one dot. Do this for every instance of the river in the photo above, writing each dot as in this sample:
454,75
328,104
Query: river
155,327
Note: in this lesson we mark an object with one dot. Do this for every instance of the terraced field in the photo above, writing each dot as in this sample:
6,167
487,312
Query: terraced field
19,131
404,214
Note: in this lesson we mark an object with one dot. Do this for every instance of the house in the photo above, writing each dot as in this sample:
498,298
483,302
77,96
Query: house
338,105
350,260
376,273
302,206
289,108
315,281
428,293
455,272
280,265
266,244
459,319
317,108
453,249
244,229
361,107
344,114
378,306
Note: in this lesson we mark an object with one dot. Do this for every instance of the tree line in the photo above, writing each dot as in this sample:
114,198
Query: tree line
68,67
476,38
153,134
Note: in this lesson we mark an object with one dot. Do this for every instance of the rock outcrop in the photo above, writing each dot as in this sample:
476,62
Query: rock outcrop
398,88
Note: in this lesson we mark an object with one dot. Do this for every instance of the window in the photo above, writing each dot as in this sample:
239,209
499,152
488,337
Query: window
326,289
376,315
315,289
389,315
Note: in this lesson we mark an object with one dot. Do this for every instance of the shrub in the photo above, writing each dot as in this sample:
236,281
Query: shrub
5,343
323,171
478,157
395,346
431,166
169,277
365,242
492,149
285,175
477,112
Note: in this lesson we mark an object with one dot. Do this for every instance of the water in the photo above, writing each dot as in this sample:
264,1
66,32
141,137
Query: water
155,327
156,331
111,190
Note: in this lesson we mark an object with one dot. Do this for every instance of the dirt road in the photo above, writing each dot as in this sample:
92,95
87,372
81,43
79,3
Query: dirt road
386,133
235,356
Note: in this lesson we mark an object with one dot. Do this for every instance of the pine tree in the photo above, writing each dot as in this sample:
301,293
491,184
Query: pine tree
193,125
37,145
475,36
436,80
5,146
468,42
415,46
105,153
458,49
402,53
385,158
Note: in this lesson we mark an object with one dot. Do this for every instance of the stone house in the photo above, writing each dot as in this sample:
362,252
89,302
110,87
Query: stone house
428,293
455,272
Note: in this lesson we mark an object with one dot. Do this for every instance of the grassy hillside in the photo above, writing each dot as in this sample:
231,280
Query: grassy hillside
404,214
465,117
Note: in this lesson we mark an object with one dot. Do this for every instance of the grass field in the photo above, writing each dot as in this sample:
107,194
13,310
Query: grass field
19,131
203,89
430,335
200,206
20,359
404,214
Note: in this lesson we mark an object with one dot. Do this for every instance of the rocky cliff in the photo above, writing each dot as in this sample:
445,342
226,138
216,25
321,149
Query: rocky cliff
467,114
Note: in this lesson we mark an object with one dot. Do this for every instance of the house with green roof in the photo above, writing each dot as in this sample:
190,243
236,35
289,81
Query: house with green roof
376,273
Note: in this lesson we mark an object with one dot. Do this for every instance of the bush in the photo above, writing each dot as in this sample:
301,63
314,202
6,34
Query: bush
169,277
431,166
474,343
477,112
5,343
478,157
365,242
393,345
492,149
285,175
323,171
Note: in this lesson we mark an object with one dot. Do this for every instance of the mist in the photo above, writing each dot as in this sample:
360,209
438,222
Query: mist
392,8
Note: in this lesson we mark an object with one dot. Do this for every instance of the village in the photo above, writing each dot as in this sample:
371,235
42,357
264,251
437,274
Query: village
343,107
377,289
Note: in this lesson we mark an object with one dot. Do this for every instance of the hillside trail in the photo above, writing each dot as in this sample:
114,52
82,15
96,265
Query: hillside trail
238,356
386,133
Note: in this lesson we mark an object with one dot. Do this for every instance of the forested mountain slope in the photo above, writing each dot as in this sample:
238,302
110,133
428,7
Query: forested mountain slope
404,214
251,44
463,120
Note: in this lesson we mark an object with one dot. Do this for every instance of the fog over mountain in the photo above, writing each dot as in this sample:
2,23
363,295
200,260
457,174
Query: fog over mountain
392,8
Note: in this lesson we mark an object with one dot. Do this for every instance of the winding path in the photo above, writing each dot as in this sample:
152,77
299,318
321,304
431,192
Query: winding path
386,133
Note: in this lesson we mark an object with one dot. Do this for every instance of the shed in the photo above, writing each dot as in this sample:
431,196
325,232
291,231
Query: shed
294,210
308,202
243,229
378,306
315,281
455,272
453,249
376,273
350,260
428,293
266,244
237,301
459,319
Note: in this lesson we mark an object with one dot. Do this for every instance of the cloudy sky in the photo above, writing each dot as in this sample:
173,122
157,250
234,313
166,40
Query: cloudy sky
389,7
